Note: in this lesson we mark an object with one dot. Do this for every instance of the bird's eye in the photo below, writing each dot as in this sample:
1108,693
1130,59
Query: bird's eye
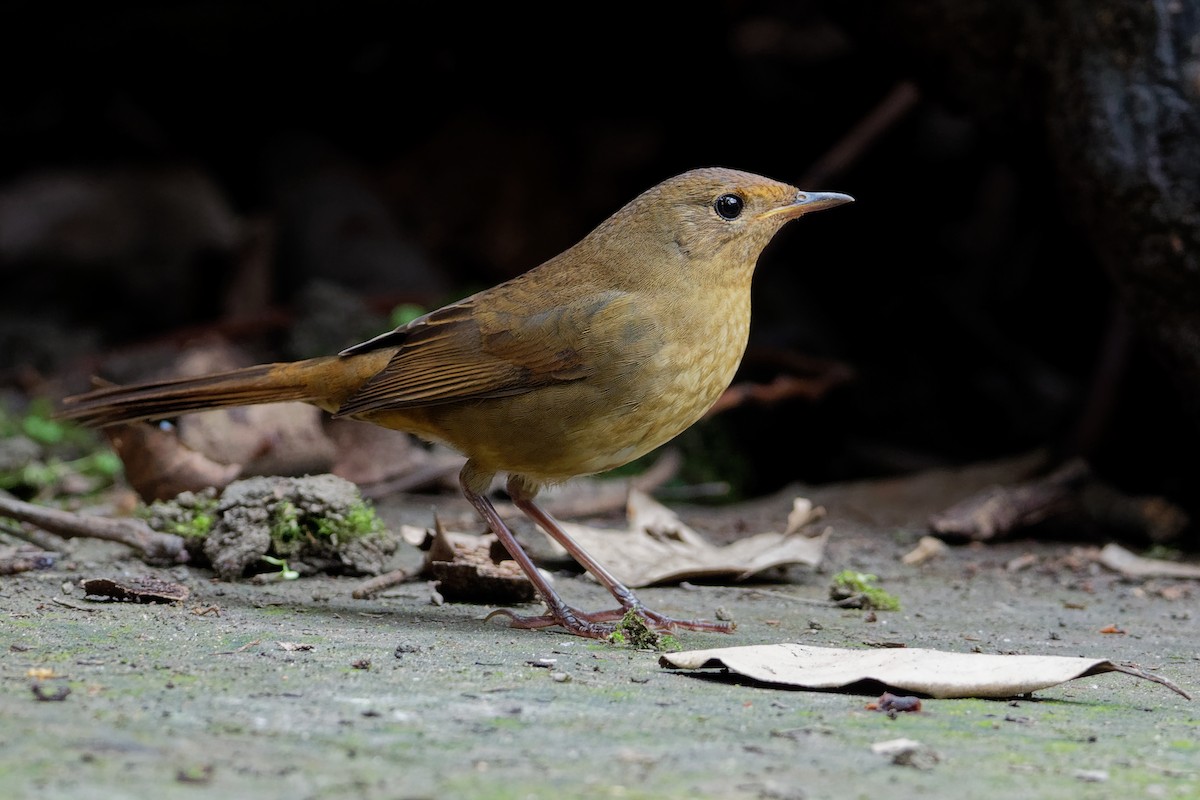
729,206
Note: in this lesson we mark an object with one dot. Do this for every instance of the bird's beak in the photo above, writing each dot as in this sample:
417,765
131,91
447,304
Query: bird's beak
808,202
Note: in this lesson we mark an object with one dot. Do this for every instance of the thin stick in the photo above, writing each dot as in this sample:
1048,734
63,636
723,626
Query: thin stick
155,547
374,586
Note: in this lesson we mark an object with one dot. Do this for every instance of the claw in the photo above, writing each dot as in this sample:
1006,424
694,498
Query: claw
591,624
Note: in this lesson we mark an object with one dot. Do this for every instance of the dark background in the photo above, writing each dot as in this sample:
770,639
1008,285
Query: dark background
418,157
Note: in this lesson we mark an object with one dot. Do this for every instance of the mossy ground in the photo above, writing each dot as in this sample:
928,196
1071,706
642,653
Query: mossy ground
179,701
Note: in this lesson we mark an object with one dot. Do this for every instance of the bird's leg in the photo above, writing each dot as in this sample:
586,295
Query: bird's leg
522,496
474,485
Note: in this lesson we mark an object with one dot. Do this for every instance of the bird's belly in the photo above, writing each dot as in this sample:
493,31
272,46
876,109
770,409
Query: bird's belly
591,425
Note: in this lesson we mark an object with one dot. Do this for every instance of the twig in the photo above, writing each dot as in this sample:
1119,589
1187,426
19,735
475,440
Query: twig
37,538
792,598
815,378
69,604
241,649
900,100
17,560
371,587
162,548
1150,676
1000,510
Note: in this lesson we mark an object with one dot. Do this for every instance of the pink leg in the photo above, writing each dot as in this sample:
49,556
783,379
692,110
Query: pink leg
559,613
623,594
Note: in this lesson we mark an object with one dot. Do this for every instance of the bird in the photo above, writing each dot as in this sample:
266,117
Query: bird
584,363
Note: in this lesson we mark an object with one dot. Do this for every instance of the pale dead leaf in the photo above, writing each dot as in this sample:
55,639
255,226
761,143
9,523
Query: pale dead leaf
927,548
658,547
931,672
895,747
1119,559
294,647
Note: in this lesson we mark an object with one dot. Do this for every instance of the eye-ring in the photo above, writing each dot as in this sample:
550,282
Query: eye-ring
729,206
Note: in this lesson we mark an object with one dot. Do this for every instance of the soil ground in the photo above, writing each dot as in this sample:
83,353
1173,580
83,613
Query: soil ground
296,690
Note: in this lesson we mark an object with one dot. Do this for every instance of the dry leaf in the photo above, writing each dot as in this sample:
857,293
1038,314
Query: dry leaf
468,568
1121,560
159,466
930,672
928,547
143,589
658,547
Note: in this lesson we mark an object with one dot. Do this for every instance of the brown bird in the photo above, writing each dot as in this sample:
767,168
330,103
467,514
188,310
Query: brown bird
580,365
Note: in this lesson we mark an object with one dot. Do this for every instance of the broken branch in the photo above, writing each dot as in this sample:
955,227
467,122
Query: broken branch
162,548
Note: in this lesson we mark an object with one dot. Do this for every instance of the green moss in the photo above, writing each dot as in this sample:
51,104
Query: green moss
632,631
285,526
291,526
190,515
849,584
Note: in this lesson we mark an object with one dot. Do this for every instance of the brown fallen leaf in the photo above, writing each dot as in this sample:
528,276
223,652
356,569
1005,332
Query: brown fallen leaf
143,589
159,466
467,568
1112,629
934,673
658,547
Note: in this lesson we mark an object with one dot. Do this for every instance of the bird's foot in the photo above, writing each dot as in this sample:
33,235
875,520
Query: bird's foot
602,624
577,622
661,622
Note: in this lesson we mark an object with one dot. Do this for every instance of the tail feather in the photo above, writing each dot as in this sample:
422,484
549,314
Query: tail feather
265,383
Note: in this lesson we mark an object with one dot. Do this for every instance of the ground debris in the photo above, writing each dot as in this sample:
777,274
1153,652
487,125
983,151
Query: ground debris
658,547
1070,495
143,589
907,753
155,547
892,704
935,673
316,524
466,568
1119,559
57,694
24,559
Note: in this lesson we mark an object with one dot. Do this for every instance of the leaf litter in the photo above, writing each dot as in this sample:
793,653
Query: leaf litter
658,547
935,673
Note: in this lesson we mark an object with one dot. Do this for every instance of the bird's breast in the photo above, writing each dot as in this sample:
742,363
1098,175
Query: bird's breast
644,384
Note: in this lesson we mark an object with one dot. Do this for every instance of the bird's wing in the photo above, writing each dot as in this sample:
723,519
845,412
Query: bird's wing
464,352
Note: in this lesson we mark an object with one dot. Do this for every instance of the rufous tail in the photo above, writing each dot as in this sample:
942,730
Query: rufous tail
265,383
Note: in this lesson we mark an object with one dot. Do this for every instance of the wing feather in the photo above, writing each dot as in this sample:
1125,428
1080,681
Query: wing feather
462,352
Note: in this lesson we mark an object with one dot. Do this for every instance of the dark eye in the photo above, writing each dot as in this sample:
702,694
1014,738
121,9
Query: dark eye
729,206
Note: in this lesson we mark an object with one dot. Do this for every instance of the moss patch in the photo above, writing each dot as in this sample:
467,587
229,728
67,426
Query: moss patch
848,585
